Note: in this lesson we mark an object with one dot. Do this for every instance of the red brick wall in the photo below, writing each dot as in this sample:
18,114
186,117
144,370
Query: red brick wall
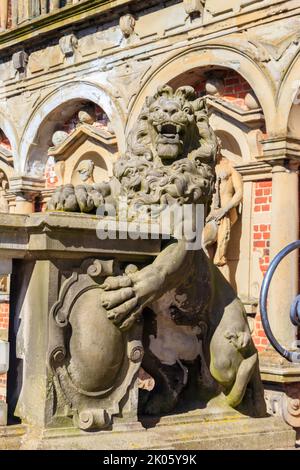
261,243
3,387
69,126
4,315
262,232
4,142
236,88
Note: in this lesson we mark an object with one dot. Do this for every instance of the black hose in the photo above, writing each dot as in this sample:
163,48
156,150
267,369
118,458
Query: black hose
291,356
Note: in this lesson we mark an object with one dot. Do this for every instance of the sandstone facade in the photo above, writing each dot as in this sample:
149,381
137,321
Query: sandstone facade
73,81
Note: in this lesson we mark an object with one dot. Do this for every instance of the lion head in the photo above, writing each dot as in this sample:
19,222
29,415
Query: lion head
171,150
170,157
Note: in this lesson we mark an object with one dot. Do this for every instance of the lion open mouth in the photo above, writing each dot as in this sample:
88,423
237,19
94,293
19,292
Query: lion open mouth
169,133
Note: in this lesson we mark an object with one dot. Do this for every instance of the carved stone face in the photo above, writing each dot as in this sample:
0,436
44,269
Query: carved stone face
170,118
85,170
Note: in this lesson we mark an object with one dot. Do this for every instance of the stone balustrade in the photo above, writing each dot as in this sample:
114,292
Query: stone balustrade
14,13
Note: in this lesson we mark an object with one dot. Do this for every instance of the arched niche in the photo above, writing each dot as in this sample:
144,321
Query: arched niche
10,133
288,100
6,156
293,129
57,108
193,61
100,171
233,110
84,143
4,185
230,146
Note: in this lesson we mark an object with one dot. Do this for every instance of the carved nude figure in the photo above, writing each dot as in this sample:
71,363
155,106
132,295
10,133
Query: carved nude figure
196,336
223,213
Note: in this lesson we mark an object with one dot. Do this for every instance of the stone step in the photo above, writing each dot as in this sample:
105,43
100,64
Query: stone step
187,431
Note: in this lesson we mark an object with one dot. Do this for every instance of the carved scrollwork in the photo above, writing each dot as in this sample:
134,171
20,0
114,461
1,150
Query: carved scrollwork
291,410
93,362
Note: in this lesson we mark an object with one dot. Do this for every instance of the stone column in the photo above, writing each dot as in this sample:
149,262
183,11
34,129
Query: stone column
3,14
284,230
35,8
38,282
54,5
14,13
44,6
5,271
25,189
24,203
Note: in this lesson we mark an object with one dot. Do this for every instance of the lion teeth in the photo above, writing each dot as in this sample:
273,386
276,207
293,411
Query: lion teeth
159,128
177,129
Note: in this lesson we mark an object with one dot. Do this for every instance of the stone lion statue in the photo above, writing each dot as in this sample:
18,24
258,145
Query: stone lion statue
196,336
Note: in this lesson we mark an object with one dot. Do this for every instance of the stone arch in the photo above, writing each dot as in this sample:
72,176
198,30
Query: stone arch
233,139
206,56
288,100
9,130
32,148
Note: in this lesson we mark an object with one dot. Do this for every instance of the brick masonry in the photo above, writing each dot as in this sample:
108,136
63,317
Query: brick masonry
235,89
69,126
261,242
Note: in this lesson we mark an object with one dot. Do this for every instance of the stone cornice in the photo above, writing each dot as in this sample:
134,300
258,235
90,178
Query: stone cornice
52,234
212,34
102,11
276,369
26,183
279,149
253,170
249,118
62,18
76,138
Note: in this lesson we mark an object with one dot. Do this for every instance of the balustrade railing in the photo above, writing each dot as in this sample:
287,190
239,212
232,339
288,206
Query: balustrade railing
17,12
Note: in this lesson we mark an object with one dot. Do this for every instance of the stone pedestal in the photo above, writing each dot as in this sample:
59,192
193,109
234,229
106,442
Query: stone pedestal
62,331
196,430
58,259
282,387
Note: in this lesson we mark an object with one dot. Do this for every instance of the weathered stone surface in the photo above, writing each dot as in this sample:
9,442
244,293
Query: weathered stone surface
258,39
194,431
58,233
170,159
223,212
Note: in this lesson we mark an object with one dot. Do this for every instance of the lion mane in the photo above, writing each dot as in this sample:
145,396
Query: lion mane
145,176
170,158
